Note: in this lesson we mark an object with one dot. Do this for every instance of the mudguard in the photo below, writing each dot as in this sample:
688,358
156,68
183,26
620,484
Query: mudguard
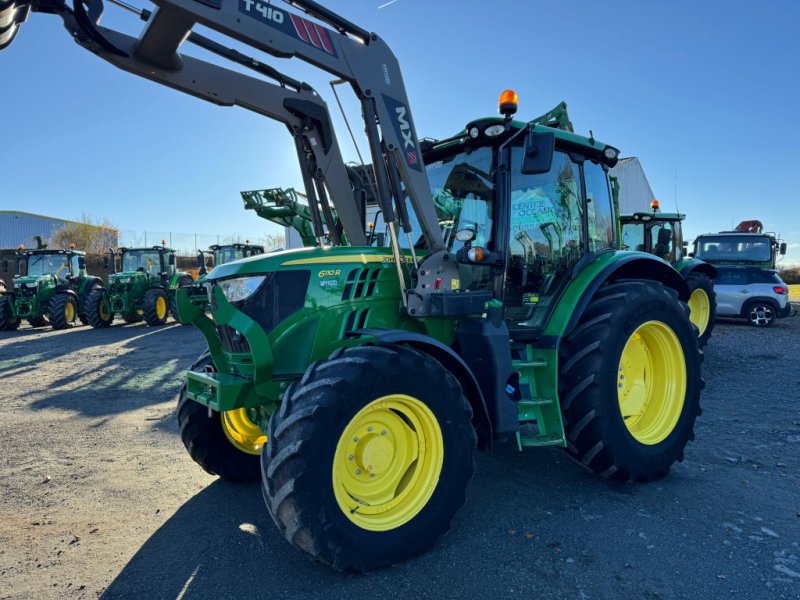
450,361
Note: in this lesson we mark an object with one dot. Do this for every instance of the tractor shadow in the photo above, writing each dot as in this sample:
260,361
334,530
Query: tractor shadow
520,507
144,366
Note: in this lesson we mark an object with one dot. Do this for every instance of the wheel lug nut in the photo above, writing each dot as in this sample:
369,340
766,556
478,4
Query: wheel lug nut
372,474
383,432
355,439
358,471
351,457
369,428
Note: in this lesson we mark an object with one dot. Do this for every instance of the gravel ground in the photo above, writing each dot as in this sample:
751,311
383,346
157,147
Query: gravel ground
98,497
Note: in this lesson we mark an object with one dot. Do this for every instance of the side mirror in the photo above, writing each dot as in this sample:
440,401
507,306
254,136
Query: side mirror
783,248
201,260
538,151
691,254
171,260
81,262
105,262
5,265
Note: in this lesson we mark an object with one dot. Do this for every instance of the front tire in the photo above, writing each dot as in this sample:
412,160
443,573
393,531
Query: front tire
156,306
223,444
62,311
8,322
630,382
369,457
173,300
39,321
702,305
97,313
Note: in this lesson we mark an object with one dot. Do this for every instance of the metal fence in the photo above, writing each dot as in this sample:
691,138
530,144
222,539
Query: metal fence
187,244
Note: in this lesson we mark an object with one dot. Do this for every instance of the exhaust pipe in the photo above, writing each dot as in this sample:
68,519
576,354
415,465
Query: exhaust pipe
12,15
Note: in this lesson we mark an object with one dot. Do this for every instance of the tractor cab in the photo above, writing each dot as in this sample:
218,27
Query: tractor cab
155,262
46,267
226,253
654,232
522,205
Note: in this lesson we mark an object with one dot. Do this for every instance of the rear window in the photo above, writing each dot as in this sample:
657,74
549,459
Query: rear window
765,277
731,277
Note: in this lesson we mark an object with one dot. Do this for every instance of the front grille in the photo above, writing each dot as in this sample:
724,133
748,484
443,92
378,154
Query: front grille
232,340
277,299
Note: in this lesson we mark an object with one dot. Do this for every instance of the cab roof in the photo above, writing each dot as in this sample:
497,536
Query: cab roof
649,216
33,252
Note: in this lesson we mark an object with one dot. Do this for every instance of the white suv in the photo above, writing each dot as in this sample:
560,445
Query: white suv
758,295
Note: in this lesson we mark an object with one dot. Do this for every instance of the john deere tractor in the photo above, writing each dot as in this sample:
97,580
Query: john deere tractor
356,380
143,288
54,289
661,234
226,253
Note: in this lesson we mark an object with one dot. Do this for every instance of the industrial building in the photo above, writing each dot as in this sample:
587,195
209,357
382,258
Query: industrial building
635,193
19,227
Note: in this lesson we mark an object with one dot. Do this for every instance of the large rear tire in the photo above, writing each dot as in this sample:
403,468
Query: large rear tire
223,444
8,322
97,313
156,306
630,382
62,311
369,457
702,305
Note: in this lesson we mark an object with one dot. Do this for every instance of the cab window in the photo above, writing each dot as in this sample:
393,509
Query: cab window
600,213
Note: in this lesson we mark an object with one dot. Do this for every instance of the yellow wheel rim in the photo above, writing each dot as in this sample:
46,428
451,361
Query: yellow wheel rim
700,309
104,314
69,312
388,462
651,382
242,432
161,307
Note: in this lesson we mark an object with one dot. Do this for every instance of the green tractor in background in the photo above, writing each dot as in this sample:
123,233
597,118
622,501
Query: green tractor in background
143,288
225,253
661,234
55,289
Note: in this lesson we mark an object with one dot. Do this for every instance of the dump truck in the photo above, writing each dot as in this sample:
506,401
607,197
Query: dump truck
661,234
355,381
53,291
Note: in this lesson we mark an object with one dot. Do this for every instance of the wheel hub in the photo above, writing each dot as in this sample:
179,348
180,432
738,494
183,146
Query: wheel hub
651,382
387,462
700,309
242,431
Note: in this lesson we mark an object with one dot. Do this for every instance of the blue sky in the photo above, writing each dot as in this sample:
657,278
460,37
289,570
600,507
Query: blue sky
710,90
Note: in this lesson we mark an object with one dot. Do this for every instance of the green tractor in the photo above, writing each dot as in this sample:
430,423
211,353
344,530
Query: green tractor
661,234
748,245
356,381
143,288
225,253
54,290
284,207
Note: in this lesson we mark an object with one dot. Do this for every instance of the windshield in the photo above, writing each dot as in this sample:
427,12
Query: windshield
48,264
463,190
226,255
752,248
633,236
147,261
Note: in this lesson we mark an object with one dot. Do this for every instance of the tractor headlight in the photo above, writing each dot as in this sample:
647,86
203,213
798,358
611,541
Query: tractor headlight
241,288
32,285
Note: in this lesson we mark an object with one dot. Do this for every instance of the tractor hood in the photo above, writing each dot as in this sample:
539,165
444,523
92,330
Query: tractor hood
32,280
303,257
126,277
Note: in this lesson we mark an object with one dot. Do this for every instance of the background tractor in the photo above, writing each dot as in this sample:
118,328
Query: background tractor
661,234
54,290
143,288
225,253
356,380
